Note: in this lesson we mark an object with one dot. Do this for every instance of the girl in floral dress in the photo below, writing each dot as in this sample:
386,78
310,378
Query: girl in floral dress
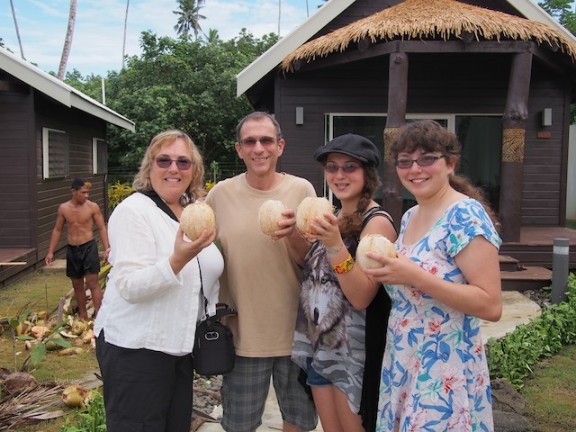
446,277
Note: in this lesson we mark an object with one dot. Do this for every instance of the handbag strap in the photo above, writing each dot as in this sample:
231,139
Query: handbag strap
205,302
164,207
160,203
222,309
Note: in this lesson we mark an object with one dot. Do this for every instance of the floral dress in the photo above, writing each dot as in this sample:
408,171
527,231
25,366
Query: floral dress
434,373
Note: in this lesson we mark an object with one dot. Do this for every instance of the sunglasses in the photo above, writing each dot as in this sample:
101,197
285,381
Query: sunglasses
265,141
348,167
422,161
165,162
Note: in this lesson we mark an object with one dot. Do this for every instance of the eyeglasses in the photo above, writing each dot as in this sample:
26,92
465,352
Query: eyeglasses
166,162
423,161
348,167
265,141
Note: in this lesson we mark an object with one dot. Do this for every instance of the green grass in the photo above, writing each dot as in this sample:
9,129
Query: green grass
42,291
571,224
551,393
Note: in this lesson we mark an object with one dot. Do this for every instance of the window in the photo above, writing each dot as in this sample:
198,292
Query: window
55,153
479,134
99,156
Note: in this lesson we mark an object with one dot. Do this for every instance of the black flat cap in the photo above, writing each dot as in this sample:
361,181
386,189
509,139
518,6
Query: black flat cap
353,145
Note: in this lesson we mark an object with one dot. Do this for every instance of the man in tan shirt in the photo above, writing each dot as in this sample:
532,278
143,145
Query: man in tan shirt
261,280
82,258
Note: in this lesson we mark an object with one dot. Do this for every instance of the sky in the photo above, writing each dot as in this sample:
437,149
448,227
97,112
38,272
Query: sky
98,34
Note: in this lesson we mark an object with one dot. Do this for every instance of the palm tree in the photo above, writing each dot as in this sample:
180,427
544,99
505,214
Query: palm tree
212,37
124,39
67,41
189,17
17,30
279,15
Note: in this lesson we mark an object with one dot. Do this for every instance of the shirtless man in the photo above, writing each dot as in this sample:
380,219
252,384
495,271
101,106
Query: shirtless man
82,260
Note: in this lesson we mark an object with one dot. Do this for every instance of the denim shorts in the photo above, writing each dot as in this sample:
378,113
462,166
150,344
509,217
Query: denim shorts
314,378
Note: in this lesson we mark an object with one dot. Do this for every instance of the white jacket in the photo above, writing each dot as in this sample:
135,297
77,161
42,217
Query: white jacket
145,304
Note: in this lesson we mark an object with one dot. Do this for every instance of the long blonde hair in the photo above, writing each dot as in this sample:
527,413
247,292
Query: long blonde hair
142,178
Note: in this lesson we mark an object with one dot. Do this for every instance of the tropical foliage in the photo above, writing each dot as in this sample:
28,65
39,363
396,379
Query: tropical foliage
189,17
184,84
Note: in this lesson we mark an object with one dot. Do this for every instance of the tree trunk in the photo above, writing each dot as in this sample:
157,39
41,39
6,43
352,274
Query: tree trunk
17,30
67,41
124,40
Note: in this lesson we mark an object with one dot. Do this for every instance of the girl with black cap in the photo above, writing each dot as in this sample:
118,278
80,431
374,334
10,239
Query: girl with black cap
329,341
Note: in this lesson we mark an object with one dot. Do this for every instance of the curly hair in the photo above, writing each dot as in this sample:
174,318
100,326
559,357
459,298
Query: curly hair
430,136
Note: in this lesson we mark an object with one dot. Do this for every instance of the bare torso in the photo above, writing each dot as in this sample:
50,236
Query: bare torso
79,221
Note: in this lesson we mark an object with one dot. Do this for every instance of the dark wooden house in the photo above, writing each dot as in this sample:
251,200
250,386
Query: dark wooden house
499,73
49,134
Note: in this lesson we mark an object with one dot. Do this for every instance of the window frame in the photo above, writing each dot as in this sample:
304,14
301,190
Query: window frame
96,155
46,150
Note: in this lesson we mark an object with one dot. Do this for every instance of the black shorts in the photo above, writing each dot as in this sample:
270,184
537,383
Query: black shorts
82,260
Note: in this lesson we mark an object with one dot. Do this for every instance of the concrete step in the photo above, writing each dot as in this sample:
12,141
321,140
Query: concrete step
516,309
527,278
56,266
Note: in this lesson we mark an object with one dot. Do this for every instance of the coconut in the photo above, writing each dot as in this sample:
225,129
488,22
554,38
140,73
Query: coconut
71,351
39,331
78,327
19,382
269,215
310,208
376,243
197,217
75,396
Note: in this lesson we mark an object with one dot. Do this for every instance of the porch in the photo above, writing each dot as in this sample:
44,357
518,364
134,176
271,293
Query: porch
536,243
16,262
527,264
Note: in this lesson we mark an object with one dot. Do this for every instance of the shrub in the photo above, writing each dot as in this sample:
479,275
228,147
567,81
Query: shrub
513,356
117,192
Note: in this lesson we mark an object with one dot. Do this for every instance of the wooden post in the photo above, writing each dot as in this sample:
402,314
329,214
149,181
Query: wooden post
513,140
395,119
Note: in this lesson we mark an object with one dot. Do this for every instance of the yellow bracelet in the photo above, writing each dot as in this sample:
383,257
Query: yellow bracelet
345,266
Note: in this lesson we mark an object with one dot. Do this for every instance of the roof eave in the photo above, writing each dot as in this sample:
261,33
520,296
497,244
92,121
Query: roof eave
84,103
534,12
274,56
259,68
59,91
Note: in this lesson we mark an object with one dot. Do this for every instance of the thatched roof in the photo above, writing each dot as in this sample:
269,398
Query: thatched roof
422,19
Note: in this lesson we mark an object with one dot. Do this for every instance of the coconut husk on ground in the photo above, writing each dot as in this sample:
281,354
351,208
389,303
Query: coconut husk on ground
28,402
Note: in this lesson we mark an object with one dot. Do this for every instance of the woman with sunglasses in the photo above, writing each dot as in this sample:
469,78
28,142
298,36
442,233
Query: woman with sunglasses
445,279
145,328
329,341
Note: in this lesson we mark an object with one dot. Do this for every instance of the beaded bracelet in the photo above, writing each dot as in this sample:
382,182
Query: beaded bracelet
345,266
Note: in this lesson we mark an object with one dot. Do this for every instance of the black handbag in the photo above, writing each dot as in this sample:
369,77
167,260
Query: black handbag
213,352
